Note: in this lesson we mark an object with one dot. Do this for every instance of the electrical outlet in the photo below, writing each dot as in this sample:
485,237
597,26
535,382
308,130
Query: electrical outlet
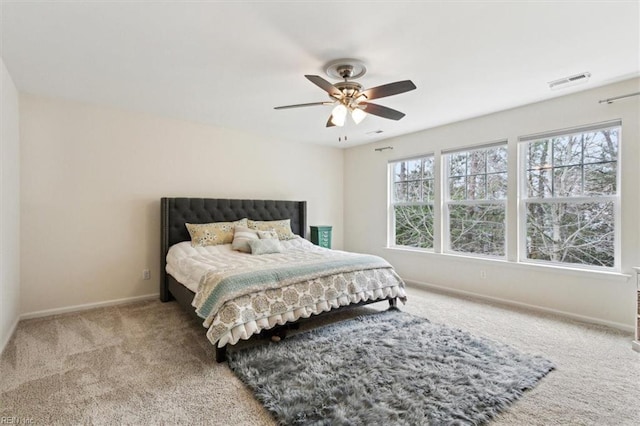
146,274
483,274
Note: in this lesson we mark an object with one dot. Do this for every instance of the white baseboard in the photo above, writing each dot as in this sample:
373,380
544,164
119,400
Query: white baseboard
636,345
76,308
9,336
573,316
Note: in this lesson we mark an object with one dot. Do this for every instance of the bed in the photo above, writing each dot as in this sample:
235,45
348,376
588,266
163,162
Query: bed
237,295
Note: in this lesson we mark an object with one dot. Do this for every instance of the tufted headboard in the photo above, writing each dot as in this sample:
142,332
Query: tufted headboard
176,212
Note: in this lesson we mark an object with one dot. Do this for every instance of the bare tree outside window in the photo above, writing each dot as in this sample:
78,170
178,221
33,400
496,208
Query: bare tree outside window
571,190
412,201
477,188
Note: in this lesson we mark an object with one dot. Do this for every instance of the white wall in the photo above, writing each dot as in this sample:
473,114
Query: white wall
603,298
92,179
9,207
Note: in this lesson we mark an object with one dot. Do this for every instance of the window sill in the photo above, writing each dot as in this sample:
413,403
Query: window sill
501,262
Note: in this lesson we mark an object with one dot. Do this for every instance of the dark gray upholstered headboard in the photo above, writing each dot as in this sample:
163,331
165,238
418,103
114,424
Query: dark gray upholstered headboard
176,212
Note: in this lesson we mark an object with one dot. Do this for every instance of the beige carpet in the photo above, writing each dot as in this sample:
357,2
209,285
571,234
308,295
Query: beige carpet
148,363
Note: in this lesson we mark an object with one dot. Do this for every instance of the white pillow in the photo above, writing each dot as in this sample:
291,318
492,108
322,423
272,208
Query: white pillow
241,238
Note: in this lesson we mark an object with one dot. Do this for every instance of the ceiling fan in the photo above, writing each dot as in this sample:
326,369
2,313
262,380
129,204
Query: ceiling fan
349,96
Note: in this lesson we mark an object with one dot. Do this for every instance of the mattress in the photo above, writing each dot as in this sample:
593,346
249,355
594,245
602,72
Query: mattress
329,279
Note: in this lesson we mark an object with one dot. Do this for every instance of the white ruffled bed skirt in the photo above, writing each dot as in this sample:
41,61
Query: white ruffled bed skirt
246,330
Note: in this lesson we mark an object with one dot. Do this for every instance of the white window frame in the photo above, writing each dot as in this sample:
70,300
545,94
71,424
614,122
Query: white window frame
523,197
447,201
391,225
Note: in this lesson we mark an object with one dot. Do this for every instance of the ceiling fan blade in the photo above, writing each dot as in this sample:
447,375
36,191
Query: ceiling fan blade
389,89
382,111
324,85
303,105
329,122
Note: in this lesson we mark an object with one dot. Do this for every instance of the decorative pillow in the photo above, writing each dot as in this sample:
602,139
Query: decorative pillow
282,227
213,234
265,246
241,237
268,235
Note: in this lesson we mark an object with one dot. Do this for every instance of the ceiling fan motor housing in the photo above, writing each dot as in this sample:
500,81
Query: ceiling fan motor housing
349,89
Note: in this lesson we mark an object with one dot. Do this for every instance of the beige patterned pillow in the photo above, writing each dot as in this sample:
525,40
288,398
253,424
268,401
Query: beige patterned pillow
241,237
282,227
213,234
268,235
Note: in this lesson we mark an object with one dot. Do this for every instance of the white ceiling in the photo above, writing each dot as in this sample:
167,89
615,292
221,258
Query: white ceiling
228,64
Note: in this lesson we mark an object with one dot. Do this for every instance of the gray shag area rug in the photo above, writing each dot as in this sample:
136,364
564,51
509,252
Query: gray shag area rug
388,368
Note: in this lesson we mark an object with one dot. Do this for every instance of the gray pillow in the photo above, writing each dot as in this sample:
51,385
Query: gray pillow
265,246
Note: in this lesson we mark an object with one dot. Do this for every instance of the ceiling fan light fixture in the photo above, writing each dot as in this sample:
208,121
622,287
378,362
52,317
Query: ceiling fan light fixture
349,97
358,115
339,115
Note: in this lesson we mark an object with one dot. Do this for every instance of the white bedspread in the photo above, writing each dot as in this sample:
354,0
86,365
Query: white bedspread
241,317
189,264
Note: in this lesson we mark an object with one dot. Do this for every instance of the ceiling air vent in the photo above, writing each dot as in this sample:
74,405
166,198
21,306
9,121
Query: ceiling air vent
572,80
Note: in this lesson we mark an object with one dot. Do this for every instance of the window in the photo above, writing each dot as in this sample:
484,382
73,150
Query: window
412,202
570,196
475,200
568,203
